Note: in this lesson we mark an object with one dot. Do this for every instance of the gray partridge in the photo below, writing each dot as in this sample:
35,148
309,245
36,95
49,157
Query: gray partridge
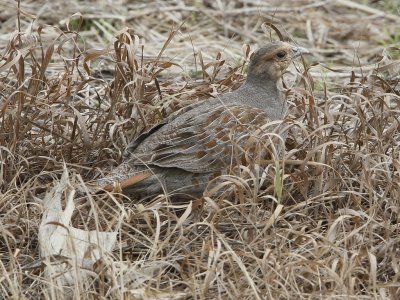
202,141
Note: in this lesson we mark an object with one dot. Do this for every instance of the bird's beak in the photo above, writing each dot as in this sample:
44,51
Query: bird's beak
297,51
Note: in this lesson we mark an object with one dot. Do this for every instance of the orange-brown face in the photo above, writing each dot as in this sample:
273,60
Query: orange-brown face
273,59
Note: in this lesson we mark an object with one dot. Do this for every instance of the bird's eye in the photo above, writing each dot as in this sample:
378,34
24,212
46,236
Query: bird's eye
281,54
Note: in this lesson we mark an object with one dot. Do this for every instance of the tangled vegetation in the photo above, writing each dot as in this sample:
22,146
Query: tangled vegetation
79,80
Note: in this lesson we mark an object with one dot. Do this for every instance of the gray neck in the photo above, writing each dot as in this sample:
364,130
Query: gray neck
262,93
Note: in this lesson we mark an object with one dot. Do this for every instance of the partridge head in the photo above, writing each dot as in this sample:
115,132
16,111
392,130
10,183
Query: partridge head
203,141
270,62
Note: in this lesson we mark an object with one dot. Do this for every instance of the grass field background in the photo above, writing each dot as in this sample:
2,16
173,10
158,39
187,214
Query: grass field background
80,79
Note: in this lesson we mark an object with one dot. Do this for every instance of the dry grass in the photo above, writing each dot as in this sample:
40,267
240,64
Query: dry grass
74,90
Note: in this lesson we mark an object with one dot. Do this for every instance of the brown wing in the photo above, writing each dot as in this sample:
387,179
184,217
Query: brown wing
136,142
200,141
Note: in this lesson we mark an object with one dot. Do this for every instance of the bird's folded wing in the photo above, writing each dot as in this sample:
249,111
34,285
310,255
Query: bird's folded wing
144,135
201,141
